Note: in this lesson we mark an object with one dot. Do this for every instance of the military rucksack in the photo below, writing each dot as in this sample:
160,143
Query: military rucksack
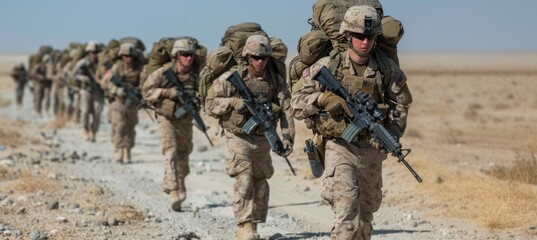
324,36
161,54
229,54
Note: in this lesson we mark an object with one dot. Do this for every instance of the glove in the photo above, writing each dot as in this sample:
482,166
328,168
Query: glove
333,104
376,145
287,147
120,92
171,93
239,105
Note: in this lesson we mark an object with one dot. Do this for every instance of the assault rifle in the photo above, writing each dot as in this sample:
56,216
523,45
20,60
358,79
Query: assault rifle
263,115
190,103
133,96
365,115
93,87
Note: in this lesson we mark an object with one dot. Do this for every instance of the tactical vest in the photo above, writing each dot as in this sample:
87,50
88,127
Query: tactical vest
266,88
129,76
166,107
333,126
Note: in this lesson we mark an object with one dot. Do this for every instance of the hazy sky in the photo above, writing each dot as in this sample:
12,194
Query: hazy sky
430,25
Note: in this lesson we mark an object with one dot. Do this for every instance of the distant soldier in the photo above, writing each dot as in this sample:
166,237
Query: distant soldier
58,83
72,88
42,82
123,112
20,76
175,133
91,94
251,163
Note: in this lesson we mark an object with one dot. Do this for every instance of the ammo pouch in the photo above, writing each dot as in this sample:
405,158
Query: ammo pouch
166,108
328,125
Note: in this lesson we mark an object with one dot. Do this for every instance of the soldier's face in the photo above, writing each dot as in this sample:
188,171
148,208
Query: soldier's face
126,58
186,58
363,43
258,63
93,56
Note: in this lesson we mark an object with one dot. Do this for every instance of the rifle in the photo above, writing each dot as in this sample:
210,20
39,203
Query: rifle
133,96
263,114
365,115
189,101
93,84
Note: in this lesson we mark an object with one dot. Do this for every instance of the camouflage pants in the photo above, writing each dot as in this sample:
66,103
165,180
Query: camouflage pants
91,107
41,93
251,166
58,104
123,120
19,92
73,104
176,142
352,184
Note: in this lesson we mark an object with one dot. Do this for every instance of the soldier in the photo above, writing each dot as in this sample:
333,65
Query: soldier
251,163
58,83
175,133
72,109
123,112
352,179
41,74
91,94
20,76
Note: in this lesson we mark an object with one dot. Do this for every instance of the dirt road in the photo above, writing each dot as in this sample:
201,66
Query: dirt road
98,198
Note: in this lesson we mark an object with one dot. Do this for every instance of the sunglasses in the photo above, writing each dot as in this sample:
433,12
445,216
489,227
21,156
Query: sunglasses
257,58
127,56
362,37
186,54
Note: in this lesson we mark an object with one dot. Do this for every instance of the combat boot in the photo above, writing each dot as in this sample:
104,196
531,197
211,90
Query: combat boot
119,155
246,231
92,136
175,202
182,189
127,155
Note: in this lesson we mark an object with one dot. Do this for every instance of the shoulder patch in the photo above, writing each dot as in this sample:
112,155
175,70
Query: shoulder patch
306,72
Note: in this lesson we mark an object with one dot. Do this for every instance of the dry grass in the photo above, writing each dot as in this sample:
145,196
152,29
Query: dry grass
127,213
28,182
5,102
59,122
492,203
523,169
9,136
92,199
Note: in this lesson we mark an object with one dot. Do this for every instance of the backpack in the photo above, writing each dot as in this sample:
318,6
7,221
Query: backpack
229,55
161,54
324,36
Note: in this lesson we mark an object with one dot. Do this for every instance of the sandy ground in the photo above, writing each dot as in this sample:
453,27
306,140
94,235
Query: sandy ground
470,112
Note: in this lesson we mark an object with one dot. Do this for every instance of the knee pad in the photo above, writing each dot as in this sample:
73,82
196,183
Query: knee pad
244,184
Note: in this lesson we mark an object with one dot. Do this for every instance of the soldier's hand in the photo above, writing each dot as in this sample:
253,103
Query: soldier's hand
333,104
376,145
171,93
287,148
239,105
120,92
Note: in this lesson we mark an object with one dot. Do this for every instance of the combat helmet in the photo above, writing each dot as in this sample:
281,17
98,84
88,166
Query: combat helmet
361,19
92,46
183,45
126,49
257,45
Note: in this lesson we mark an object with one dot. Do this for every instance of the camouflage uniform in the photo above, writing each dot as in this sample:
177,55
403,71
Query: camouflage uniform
250,163
91,97
20,76
352,180
42,76
175,133
58,86
123,113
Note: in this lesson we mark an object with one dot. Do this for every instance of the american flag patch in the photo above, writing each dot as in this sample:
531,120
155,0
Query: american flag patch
306,72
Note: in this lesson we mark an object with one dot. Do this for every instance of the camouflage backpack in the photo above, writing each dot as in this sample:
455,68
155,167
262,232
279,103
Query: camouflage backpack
161,54
229,55
324,36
